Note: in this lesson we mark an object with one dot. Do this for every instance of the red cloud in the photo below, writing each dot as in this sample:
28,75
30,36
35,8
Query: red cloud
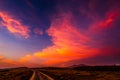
111,17
106,22
98,25
69,43
100,21
14,25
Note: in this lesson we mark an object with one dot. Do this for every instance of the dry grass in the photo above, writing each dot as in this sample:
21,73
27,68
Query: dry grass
16,74
82,75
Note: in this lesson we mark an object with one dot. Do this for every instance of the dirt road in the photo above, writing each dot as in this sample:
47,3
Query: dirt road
37,75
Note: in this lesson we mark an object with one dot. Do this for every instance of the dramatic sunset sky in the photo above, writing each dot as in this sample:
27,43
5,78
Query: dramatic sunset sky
37,33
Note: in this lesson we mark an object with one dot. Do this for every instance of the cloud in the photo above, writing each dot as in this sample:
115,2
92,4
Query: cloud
13,25
26,61
68,43
100,18
38,31
5,63
108,56
71,43
29,61
97,38
1,57
107,22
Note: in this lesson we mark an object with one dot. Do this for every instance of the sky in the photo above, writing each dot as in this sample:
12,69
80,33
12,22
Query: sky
37,33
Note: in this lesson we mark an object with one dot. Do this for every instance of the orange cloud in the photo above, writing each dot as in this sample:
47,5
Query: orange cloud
5,63
30,61
69,44
13,25
25,61
1,57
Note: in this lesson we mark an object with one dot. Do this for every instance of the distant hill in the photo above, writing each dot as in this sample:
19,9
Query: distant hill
96,68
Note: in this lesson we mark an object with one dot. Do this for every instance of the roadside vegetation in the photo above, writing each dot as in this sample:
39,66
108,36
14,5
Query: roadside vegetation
16,74
78,74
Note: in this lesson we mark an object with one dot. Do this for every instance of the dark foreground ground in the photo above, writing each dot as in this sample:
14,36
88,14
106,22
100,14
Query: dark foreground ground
84,73
73,73
16,74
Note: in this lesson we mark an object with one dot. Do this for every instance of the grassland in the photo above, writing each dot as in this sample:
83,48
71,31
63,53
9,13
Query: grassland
77,73
73,74
15,74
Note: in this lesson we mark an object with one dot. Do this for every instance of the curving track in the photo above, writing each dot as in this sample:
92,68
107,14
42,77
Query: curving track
40,76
